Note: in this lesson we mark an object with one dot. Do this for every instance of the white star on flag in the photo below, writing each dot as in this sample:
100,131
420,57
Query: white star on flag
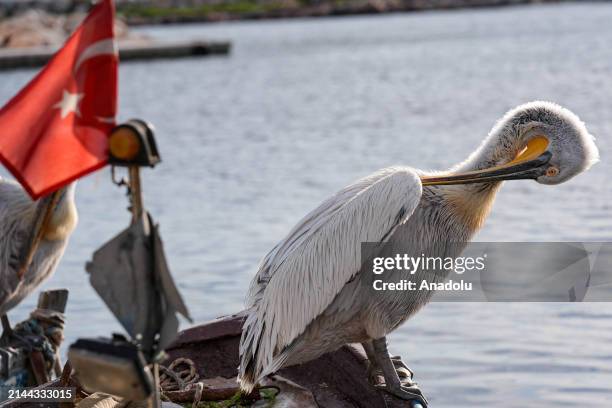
69,103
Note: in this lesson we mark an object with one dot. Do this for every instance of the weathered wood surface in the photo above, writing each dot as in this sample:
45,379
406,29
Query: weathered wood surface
53,300
12,58
337,379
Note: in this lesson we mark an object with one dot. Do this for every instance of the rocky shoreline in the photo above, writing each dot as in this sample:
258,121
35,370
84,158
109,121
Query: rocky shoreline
31,38
138,12
39,28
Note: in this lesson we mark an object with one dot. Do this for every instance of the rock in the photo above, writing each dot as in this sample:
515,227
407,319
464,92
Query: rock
72,21
37,28
30,29
291,395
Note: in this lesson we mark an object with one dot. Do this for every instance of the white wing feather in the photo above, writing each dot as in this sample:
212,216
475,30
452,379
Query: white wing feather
17,212
302,275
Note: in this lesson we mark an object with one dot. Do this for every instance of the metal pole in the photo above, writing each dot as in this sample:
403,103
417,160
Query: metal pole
135,193
137,212
155,399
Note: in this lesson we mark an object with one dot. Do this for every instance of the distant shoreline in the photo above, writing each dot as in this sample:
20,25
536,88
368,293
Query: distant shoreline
138,14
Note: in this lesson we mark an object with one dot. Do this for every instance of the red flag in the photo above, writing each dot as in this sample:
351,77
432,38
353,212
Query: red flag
55,130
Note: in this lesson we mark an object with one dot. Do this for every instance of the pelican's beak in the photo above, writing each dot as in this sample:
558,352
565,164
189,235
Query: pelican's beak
530,163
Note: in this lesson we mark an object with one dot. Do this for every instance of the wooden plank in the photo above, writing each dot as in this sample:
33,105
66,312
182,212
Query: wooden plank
53,300
226,326
38,366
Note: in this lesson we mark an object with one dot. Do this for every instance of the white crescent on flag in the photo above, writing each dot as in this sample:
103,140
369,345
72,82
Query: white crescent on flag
102,47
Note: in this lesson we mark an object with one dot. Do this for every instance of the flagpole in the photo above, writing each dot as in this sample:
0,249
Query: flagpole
42,217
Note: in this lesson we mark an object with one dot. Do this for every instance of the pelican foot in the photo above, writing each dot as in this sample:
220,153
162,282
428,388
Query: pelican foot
375,373
408,393
397,376
376,376
404,372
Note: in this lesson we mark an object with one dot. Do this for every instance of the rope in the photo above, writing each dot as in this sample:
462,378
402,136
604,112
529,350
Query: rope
181,375
43,331
173,378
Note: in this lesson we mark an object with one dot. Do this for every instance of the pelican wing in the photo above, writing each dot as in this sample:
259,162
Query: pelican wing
302,274
17,213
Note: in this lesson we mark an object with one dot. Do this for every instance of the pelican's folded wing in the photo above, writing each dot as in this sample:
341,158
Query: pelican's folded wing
17,212
300,277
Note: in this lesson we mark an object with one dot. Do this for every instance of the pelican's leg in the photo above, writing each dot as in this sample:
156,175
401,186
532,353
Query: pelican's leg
393,385
7,330
9,335
374,371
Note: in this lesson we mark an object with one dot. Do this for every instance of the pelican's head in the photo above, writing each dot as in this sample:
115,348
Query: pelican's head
559,132
537,140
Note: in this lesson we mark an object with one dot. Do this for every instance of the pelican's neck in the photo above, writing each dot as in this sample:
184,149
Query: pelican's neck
472,203
64,217
500,147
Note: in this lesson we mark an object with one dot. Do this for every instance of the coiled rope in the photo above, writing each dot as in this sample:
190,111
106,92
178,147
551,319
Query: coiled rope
175,378
182,376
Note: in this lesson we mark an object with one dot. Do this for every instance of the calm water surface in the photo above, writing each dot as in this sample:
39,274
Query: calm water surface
301,108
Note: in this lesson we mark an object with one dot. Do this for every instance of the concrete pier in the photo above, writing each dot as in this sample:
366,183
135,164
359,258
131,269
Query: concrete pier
35,57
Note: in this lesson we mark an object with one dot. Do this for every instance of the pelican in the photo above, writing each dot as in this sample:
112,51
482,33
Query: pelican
19,219
312,294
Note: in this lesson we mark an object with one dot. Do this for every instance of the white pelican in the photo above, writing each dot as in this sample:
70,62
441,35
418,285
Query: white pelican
19,218
311,294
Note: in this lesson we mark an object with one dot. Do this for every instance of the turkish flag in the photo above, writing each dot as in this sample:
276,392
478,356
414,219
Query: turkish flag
56,129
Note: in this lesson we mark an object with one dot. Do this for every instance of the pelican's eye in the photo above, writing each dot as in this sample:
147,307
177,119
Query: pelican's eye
552,171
